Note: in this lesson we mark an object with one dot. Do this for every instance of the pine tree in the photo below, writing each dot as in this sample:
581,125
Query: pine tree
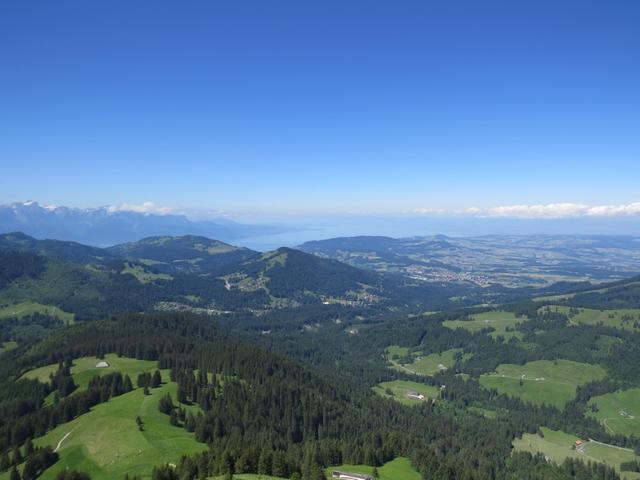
29,472
156,380
264,462
4,462
28,447
17,456
126,384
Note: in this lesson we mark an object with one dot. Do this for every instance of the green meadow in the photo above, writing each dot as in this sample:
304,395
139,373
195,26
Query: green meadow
249,476
7,346
398,469
107,443
395,351
24,309
619,412
144,276
503,323
84,369
621,318
433,363
558,446
542,381
401,388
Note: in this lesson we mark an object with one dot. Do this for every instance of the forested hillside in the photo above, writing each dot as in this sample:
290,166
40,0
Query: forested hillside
251,406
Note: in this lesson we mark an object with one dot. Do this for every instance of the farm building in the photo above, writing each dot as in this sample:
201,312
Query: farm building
102,364
350,476
413,395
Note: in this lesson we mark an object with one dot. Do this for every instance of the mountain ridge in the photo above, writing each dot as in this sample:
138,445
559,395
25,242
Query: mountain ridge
106,226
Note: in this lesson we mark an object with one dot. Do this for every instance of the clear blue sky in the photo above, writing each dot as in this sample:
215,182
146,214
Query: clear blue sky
327,106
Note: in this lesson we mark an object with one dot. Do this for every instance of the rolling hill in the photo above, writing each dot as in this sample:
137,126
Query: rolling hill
186,254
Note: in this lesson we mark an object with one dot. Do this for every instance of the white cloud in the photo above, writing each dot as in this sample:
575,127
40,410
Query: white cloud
549,210
146,207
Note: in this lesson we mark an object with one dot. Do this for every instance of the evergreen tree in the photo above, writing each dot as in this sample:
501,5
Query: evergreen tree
126,384
156,380
16,458
28,447
14,475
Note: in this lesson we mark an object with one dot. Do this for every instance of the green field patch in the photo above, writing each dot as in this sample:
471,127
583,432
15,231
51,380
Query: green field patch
557,446
542,381
248,476
85,368
407,392
398,469
433,363
624,318
8,346
25,309
142,275
395,351
619,412
503,323
485,412
107,443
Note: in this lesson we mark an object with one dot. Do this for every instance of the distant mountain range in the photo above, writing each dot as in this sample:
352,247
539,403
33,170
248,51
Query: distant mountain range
105,226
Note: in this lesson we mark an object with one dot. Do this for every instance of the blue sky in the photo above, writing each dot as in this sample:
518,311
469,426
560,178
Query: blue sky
273,107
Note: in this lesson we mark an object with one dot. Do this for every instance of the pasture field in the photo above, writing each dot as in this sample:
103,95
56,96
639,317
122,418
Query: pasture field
619,411
397,351
107,443
248,476
144,276
504,324
400,389
558,446
24,309
433,363
84,369
542,381
623,318
7,346
397,469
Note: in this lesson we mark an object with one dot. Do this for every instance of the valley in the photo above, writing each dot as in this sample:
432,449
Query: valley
331,366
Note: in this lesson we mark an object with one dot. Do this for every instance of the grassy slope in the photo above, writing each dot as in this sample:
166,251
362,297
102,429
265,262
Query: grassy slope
106,442
397,350
397,469
144,276
248,476
401,387
498,320
84,369
557,446
7,346
430,364
610,318
609,407
542,381
27,308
